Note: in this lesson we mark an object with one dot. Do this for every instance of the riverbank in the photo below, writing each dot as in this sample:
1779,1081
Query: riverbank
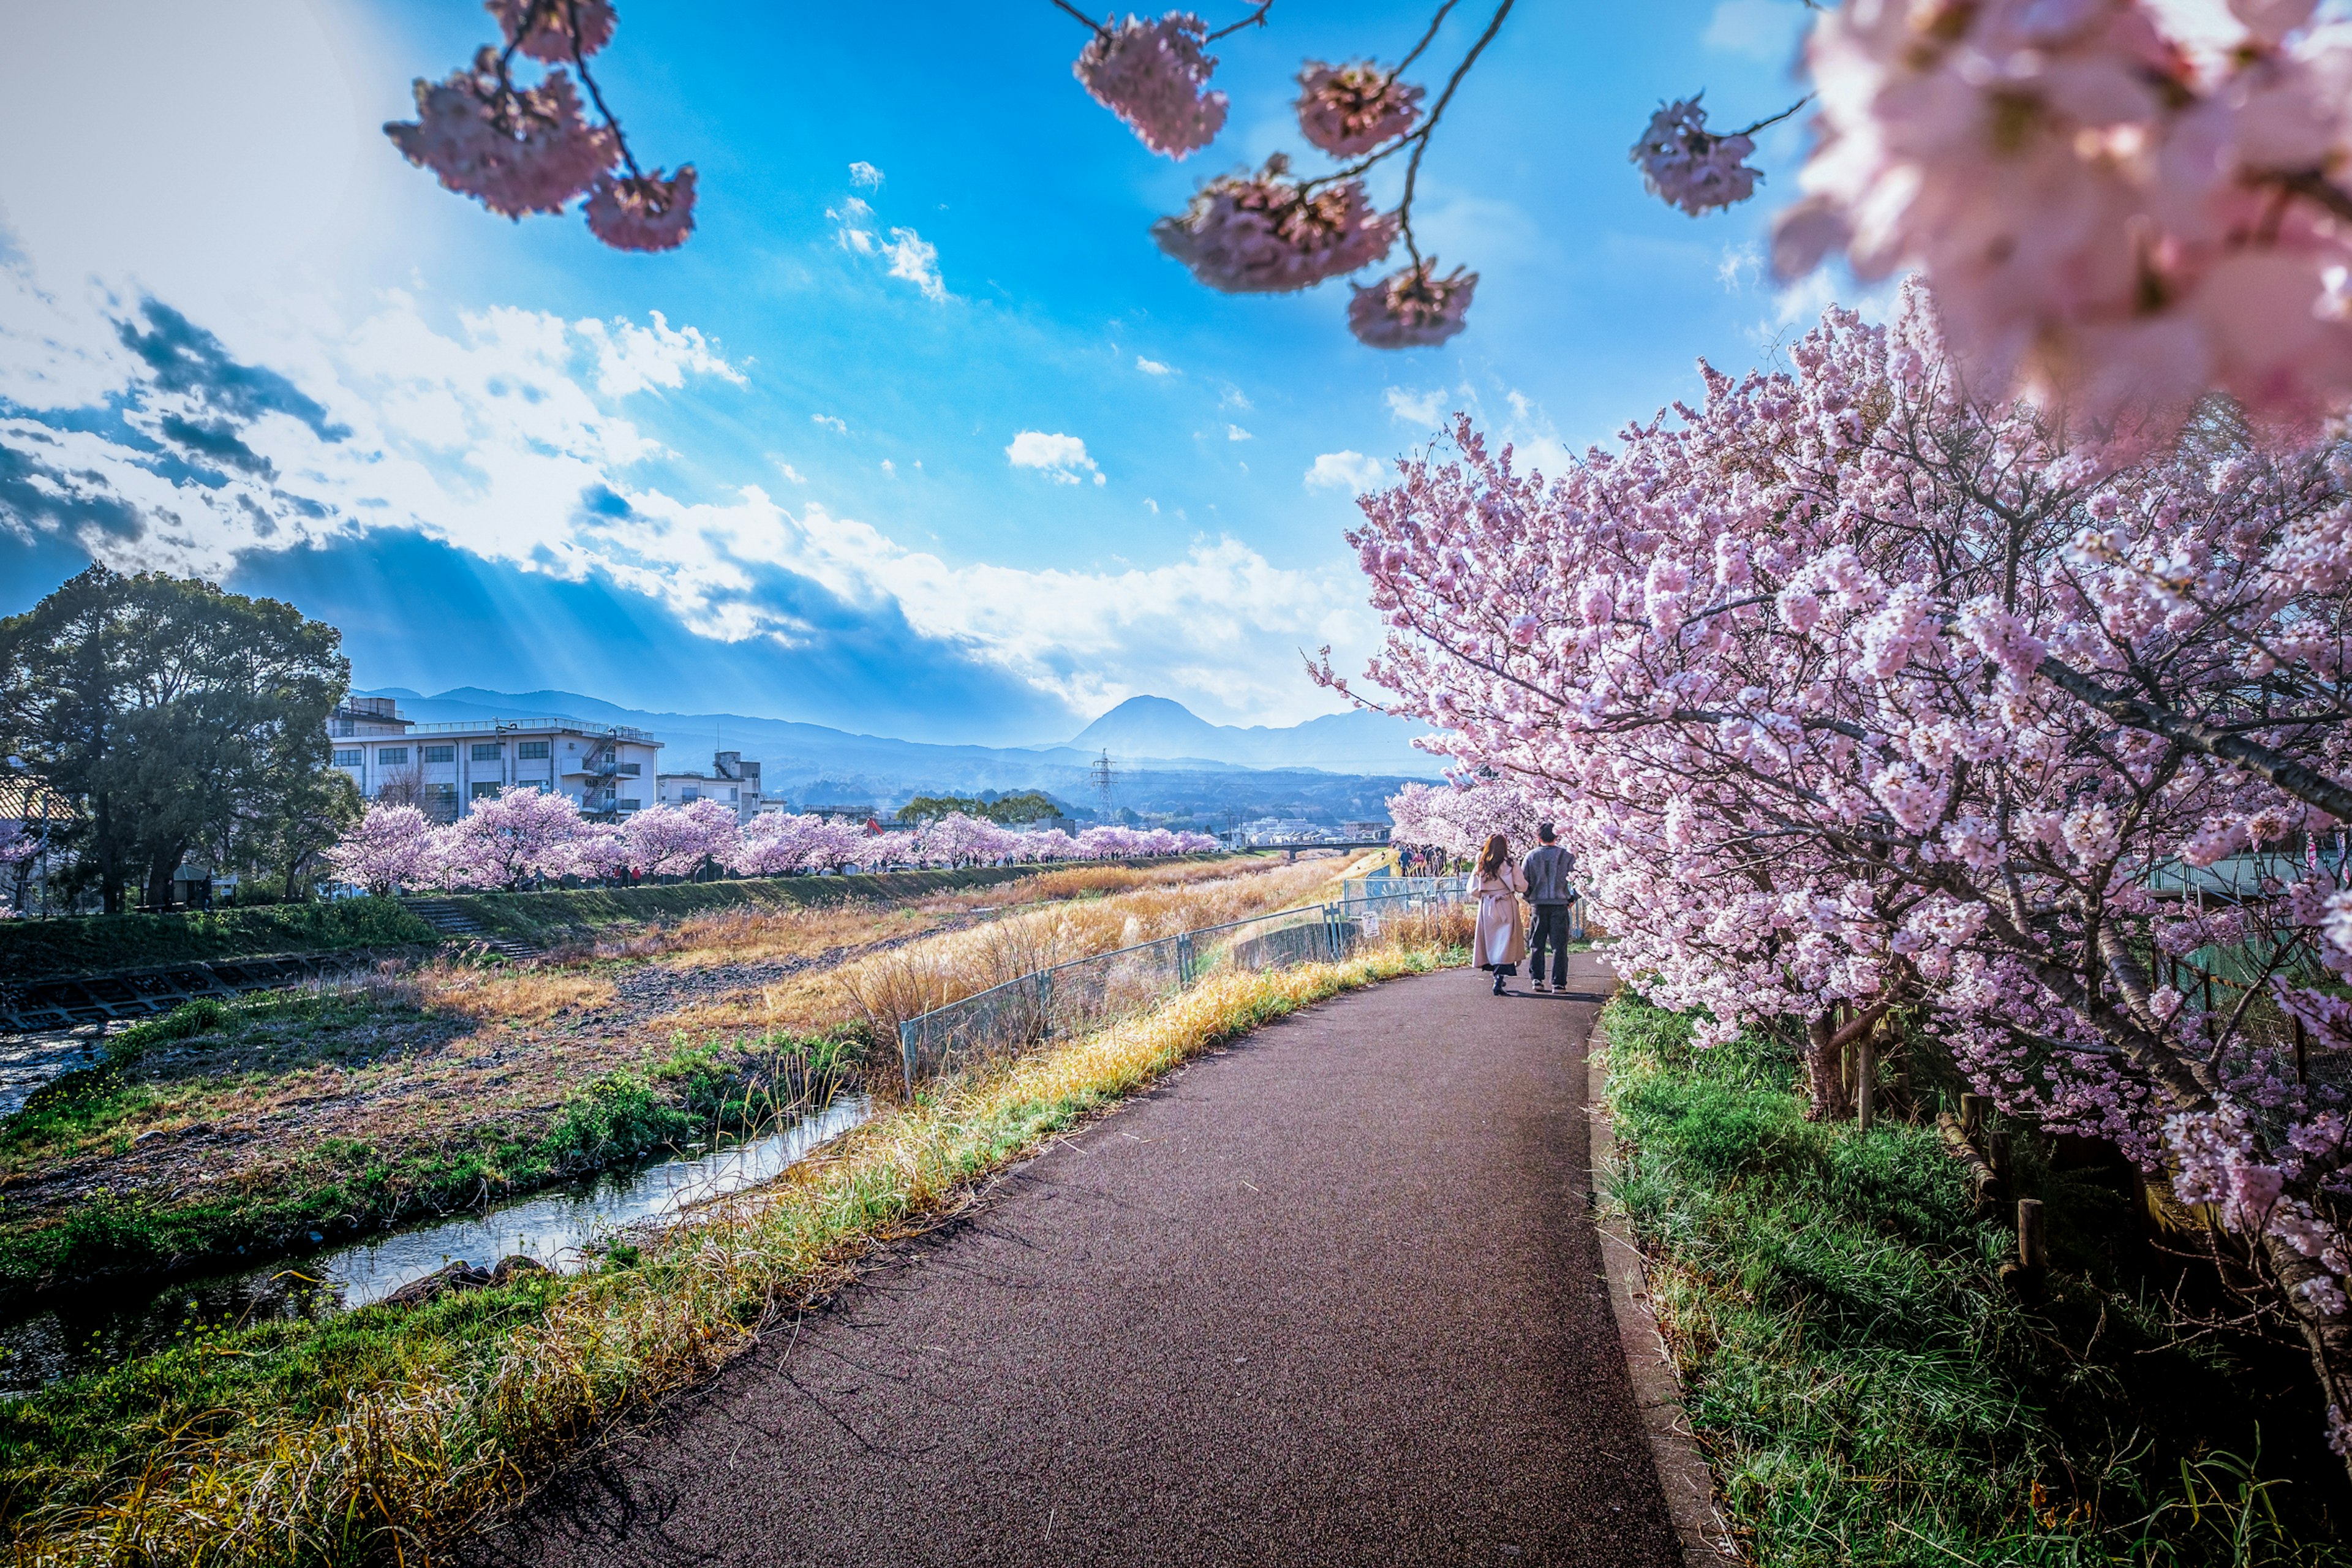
1869,1389
281,1124
334,1440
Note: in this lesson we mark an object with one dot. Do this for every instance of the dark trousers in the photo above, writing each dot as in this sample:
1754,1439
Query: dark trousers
1550,930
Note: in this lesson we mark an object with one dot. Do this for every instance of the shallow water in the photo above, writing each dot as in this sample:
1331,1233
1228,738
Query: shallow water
556,1227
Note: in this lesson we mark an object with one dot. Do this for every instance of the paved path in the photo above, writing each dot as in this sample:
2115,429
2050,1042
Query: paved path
1330,1297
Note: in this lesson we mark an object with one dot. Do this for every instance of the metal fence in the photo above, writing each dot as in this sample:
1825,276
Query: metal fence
1085,993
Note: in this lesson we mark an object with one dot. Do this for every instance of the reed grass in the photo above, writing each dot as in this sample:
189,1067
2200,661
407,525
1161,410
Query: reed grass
382,1436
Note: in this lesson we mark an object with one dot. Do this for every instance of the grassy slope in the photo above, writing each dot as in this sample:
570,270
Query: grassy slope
88,944
577,914
333,1441
1868,1390
338,1188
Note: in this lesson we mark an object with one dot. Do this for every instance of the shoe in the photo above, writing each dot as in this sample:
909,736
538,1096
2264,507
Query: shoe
1542,989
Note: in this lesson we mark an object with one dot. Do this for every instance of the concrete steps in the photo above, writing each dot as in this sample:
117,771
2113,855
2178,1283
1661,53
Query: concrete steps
450,921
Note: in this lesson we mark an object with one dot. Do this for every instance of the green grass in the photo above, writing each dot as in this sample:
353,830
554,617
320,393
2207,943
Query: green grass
89,945
1869,1391
338,1188
576,914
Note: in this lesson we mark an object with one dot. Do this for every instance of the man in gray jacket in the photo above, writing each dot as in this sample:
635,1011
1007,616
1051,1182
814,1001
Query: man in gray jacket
1546,868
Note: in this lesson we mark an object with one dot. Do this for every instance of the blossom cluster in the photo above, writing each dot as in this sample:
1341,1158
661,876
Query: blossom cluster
524,837
522,149
1267,234
1155,77
1686,165
2117,201
1459,818
1853,688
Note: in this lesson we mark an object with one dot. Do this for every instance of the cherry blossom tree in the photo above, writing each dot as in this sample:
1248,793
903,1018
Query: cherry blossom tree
1460,817
772,843
600,853
390,847
1806,662
679,840
519,835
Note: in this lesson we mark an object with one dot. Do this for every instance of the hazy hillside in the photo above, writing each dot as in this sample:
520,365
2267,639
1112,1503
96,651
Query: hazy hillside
813,764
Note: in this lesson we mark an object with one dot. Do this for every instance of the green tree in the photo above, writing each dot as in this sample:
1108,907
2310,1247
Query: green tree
169,714
1033,806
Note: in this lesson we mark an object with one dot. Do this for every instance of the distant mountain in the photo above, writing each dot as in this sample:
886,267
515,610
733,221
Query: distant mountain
1156,726
813,764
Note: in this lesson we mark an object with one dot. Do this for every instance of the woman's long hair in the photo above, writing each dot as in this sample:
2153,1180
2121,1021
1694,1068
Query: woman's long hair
1491,859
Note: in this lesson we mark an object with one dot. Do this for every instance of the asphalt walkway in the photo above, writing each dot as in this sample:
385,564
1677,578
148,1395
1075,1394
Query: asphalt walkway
1332,1296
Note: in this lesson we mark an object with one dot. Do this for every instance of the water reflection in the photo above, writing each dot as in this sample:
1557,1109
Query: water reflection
100,1327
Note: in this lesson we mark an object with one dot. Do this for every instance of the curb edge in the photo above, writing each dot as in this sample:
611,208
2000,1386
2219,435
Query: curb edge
1683,1473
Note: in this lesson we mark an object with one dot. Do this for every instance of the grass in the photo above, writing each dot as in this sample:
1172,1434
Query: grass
379,1434
86,944
571,916
339,1186
1869,1391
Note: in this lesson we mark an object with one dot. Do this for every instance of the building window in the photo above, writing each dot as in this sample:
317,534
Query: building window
628,805
351,759
448,792
631,770
343,727
689,794
482,791
531,750
392,757
439,753
733,797
487,751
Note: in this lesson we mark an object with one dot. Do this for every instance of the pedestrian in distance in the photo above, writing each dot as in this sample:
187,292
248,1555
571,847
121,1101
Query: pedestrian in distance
1545,872
1502,937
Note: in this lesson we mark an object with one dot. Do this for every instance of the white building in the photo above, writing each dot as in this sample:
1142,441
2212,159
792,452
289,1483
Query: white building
731,779
440,767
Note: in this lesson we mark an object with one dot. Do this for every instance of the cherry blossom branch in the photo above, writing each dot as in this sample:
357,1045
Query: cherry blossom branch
596,94
2305,783
1098,26
1254,19
1772,119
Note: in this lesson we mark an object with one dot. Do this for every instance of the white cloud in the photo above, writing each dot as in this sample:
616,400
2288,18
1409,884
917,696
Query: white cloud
1061,459
630,358
1235,397
1343,470
888,467
1422,408
865,176
1764,30
911,256
831,421
790,473
1154,367
917,261
1235,433
1152,504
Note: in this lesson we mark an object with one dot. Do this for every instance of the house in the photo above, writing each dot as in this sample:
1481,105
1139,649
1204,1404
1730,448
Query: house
731,779
441,767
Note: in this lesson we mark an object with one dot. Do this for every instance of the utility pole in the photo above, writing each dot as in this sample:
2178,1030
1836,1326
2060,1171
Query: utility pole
1103,775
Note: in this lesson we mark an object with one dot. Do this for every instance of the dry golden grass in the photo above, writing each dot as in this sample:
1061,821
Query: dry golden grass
887,988
527,995
407,1455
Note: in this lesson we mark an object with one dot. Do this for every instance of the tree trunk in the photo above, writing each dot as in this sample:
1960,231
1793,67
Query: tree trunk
1825,1081
159,880
2328,1338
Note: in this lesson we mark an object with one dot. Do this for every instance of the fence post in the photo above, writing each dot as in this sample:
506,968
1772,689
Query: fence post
906,1051
1184,975
1865,1074
1972,1115
2032,1247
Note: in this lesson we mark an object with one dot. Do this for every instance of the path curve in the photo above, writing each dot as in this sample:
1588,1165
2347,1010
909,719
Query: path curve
1331,1296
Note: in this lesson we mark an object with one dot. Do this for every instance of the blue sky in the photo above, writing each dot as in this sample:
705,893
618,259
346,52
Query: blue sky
776,471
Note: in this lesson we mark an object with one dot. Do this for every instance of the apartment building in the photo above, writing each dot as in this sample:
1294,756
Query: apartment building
731,779
606,768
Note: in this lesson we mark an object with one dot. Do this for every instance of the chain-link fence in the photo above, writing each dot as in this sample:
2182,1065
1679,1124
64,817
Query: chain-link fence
1084,994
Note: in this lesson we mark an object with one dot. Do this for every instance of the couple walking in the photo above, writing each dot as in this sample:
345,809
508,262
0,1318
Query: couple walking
1502,940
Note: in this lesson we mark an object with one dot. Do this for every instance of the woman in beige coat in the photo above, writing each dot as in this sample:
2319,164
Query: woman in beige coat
1502,937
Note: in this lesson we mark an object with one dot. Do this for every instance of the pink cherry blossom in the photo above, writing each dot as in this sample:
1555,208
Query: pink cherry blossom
1686,165
1350,110
519,835
1412,308
515,150
543,28
651,213
679,840
1264,233
1154,76
389,848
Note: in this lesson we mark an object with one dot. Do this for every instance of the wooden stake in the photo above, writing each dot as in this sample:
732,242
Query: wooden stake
2033,1248
1972,1114
1865,1072
1997,1154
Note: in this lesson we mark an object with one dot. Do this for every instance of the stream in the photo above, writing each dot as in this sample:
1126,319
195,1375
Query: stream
102,1327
